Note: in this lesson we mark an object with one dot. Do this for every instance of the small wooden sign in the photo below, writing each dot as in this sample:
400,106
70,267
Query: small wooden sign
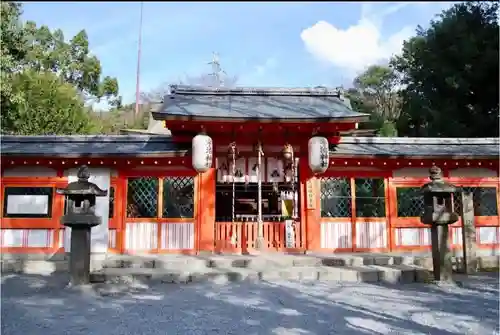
311,203
289,234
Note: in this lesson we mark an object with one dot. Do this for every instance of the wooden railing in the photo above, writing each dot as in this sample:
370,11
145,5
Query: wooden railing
239,237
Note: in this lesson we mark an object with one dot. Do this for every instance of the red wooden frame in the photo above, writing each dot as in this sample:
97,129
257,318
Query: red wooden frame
351,175
204,218
121,204
414,222
51,223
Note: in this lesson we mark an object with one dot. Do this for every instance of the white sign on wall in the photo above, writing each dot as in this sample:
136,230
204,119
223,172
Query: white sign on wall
28,204
289,234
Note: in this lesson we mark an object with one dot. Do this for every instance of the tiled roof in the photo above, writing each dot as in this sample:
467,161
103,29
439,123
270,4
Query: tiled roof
416,147
257,103
157,145
88,146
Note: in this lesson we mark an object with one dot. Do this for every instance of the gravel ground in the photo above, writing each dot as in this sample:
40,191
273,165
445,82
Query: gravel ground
34,305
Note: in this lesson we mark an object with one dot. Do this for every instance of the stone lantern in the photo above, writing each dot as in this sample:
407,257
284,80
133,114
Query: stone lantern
438,213
80,217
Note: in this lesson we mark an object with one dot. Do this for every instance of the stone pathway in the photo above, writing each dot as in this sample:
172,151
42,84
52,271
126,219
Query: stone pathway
34,304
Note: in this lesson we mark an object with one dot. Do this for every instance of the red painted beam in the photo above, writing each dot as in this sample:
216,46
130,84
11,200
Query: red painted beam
180,129
398,163
121,162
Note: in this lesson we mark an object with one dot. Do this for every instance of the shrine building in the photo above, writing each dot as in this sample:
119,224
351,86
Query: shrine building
244,170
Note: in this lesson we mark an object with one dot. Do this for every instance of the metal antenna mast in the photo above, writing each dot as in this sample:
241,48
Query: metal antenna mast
139,47
217,70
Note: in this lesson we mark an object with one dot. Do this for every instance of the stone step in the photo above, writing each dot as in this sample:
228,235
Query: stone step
281,261
371,273
199,262
260,263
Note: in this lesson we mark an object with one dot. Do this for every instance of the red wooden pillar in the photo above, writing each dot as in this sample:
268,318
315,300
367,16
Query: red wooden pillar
206,210
121,210
310,206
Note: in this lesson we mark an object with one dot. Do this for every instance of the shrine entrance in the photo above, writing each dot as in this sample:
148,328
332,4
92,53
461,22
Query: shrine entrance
240,187
255,137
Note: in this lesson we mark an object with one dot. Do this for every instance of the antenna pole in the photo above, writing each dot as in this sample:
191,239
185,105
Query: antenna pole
216,70
139,47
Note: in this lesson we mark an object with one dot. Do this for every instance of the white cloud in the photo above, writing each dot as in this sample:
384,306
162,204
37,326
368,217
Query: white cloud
358,46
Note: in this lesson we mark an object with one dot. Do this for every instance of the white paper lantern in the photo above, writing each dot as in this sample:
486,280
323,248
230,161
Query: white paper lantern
202,153
318,154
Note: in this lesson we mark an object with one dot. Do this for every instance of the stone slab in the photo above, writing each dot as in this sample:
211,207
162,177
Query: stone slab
184,268
297,273
396,273
40,267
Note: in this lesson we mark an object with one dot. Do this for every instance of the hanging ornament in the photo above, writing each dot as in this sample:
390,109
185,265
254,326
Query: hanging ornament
258,148
232,156
202,153
287,153
232,152
287,156
318,154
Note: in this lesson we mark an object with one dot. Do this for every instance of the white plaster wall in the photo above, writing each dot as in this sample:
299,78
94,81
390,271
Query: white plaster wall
112,239
412,236
484,235
456,235
336,235
29,171
371,235
175,236
141,236
27,238
488,235
100,235
473,173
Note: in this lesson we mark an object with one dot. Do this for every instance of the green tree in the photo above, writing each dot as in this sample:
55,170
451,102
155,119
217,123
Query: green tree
450,74
12,50
48,51
124,117
34,60
375,93
47,106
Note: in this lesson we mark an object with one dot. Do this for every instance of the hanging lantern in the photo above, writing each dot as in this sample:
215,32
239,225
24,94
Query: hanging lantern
318,154
202,153
287,158
232,152
287,153
232,156
258,148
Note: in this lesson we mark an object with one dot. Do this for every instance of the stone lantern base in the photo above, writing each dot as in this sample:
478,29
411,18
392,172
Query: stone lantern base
79,256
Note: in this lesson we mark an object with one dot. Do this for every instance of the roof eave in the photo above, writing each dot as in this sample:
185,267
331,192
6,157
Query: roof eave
176,153
333,154
58,139
174,117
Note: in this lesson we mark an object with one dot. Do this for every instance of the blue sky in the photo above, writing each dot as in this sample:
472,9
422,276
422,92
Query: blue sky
263,43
